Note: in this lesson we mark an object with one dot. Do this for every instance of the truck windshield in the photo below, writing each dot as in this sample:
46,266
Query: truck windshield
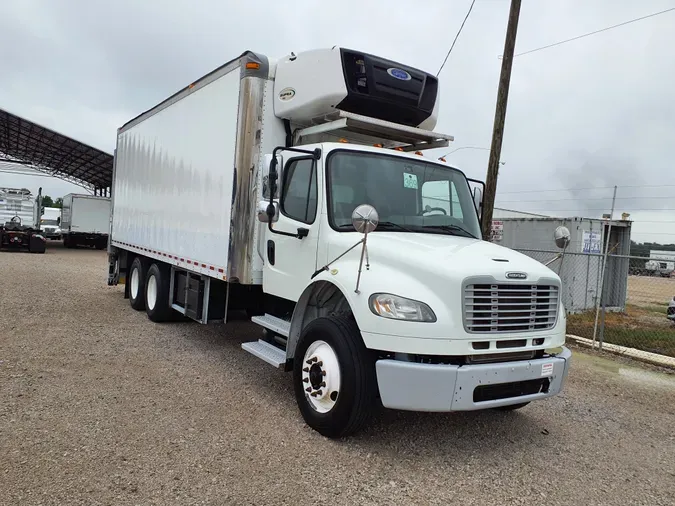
409,195
49,222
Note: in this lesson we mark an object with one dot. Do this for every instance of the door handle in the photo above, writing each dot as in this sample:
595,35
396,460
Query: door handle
270,251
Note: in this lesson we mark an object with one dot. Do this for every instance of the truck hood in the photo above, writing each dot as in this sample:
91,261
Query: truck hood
431,268
451,256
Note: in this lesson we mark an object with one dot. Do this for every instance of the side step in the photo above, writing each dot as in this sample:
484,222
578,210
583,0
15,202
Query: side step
281,327
267,352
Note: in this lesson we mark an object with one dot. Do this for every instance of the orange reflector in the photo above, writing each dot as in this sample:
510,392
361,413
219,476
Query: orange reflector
399,149
344,141
442,159
192,85
419,153
253,66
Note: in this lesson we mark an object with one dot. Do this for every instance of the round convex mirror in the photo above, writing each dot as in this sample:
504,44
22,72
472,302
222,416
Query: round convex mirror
365,218
562,237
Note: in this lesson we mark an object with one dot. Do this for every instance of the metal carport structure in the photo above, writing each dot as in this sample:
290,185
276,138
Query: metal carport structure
27,143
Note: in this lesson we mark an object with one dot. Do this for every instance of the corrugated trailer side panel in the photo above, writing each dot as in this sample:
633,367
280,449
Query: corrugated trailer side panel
174,174
12,205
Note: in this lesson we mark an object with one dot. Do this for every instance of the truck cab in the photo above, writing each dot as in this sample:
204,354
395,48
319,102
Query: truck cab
447,320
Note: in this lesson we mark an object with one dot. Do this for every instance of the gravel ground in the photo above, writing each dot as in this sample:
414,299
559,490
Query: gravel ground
100,406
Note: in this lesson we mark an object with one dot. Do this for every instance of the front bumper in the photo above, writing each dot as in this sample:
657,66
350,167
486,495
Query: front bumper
412,386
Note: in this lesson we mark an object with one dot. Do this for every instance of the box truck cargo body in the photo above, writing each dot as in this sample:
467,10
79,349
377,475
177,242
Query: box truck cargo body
85,221
302,192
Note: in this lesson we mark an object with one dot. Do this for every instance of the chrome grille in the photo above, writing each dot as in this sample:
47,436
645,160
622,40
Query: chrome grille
510,308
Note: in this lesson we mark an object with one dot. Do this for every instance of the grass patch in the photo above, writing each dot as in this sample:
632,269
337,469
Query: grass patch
642,328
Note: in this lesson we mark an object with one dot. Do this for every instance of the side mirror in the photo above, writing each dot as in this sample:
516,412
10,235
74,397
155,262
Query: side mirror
263,217
478,200
562,237
267,163
58,220
365,219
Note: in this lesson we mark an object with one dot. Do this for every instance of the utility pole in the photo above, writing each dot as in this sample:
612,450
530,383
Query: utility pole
500,117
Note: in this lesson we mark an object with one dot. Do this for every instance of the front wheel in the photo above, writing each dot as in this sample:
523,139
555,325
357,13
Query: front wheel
334,377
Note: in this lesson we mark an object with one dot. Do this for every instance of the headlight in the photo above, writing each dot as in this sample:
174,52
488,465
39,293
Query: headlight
400,308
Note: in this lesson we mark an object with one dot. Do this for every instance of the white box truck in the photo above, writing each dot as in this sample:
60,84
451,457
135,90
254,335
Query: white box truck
85,221
298,190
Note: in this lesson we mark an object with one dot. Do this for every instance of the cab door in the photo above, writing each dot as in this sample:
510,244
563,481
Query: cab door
290,261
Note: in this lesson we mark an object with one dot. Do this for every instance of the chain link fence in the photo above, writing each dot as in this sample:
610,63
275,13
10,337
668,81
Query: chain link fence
633,307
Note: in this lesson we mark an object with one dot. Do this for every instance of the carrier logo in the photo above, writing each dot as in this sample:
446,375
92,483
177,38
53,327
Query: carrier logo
286,94
516,275
399,74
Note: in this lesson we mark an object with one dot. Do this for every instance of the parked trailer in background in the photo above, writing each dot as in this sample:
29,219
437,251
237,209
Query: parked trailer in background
258,188
17,230
85,221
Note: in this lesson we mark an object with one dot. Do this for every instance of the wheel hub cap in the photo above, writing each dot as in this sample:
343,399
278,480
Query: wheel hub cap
321,376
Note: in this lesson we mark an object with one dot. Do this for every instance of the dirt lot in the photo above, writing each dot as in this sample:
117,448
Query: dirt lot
100,406
649,291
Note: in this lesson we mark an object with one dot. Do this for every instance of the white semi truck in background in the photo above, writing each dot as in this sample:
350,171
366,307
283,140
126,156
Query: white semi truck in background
85,221
18,222
50,222
298,190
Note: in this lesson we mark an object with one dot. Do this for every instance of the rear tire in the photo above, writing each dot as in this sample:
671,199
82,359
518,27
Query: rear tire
157,294
512,407
137,274
341,375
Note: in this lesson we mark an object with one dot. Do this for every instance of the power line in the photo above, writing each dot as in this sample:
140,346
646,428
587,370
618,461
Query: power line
603,209
590,188
456,37
596,31
589,198
633,232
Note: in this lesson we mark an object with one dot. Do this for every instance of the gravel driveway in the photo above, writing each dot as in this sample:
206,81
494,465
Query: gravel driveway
100,406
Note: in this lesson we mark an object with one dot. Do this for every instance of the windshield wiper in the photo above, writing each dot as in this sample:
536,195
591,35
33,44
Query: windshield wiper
452,229
382,225
390,224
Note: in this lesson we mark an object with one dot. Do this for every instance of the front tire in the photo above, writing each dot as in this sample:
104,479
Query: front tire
137,274
157,294
334,377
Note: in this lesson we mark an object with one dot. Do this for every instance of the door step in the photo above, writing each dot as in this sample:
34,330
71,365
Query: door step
271,322
267,352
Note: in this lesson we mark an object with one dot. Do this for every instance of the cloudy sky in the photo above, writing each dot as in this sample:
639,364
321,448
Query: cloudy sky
583,116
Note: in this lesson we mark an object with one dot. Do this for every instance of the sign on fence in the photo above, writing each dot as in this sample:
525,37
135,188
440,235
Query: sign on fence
497,230
592,242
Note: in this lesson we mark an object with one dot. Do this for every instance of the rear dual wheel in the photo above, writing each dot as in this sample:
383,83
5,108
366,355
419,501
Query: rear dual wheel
157,294
149,289
137,274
